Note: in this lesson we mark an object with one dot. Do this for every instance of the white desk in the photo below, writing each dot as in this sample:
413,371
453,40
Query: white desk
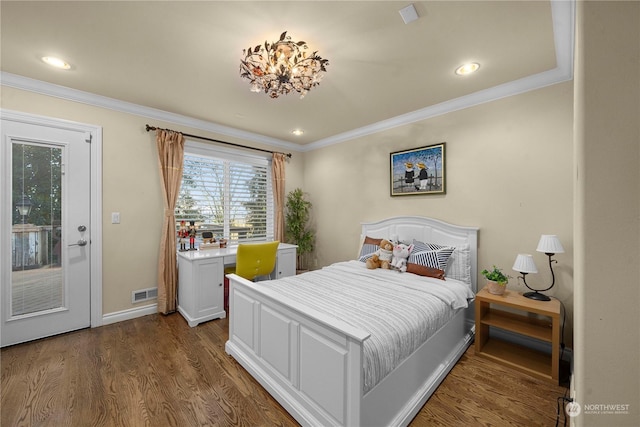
201,280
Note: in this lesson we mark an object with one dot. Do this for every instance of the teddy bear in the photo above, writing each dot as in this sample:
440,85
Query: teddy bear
400,255
382,257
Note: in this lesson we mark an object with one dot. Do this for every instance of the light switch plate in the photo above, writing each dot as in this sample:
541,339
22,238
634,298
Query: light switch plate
115,217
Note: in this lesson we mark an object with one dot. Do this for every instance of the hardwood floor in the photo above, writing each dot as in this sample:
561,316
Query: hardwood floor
157,371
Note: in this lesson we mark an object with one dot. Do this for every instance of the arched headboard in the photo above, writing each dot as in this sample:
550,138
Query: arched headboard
407,228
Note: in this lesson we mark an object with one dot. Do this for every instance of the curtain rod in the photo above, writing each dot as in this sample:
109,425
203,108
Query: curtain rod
150,128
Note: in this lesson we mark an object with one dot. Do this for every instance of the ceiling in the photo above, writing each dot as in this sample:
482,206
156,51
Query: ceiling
182,58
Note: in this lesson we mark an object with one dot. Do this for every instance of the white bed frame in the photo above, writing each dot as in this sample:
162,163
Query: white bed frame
312,363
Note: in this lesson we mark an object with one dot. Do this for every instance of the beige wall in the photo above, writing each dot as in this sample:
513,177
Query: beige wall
607,211
131,186
509,172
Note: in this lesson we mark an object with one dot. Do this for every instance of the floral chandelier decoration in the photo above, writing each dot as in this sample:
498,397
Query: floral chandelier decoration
282,67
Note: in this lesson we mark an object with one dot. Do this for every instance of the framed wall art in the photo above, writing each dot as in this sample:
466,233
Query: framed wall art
418,171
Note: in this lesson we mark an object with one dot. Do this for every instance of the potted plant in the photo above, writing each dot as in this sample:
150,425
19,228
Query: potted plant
496,280
297,226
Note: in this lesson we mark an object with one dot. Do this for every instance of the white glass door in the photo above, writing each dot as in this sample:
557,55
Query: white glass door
46,231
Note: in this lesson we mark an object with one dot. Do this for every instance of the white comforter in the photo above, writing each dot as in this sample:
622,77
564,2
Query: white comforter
400,310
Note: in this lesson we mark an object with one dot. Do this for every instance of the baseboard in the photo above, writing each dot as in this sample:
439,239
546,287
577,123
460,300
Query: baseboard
131,313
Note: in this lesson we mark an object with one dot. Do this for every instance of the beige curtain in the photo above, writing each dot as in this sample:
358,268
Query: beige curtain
277,177
170,156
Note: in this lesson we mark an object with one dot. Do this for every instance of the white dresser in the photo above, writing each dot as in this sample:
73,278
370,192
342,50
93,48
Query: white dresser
201,280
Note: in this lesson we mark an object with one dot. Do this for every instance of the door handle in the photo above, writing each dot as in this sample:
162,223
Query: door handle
81,242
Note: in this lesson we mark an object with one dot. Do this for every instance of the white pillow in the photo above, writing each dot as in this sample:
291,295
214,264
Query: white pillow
459,265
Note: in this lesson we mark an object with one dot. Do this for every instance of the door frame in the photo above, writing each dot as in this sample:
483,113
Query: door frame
95,260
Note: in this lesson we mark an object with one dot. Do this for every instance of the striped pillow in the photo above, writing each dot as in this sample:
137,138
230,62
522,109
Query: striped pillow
369,246
430,255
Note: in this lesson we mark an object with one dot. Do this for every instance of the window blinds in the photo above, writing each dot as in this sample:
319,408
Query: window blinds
227,194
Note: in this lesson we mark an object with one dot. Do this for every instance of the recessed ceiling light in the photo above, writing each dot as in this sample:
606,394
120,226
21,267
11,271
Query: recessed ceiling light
467,68
297,132
56,62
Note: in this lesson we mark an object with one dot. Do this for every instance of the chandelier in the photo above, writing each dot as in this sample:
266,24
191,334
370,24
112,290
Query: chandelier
282,67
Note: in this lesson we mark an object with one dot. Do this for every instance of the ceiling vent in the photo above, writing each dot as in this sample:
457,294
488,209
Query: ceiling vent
409,13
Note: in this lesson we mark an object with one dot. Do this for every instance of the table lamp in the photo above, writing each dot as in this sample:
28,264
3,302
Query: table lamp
550,245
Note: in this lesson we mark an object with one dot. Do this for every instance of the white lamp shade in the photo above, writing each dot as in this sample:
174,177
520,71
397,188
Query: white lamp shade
550,244
524,264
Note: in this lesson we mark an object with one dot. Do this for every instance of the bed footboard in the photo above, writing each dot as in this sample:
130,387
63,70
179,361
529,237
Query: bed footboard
310,363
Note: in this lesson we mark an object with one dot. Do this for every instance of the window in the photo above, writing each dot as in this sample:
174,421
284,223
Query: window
226,192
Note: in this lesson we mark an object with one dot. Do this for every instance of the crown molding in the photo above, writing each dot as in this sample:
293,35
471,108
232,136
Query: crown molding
563,18
69,94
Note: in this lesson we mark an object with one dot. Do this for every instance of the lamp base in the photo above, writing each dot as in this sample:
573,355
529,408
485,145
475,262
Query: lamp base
536,296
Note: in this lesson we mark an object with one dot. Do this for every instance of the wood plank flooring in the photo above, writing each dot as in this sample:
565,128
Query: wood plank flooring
157,371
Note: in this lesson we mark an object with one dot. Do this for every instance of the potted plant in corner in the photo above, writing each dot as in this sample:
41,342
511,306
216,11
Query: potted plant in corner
297,226
496,280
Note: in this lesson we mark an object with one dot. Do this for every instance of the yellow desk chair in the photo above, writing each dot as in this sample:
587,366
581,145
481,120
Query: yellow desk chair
253,260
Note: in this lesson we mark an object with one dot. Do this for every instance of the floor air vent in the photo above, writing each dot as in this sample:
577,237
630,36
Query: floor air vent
144,295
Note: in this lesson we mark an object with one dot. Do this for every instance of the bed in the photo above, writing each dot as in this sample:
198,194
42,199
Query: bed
317,365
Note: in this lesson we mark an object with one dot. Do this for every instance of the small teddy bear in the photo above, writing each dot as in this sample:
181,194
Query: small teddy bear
382,257
400,255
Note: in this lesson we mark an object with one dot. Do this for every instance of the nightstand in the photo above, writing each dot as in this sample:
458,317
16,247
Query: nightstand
535,319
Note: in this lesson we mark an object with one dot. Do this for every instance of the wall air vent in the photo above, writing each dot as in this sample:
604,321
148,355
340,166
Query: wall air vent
144,295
